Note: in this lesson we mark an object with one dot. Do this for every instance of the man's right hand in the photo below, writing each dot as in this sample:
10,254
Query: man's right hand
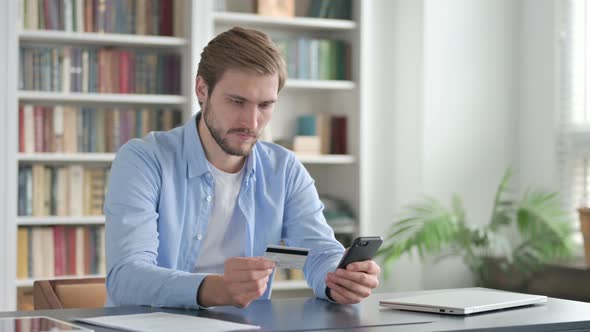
244,280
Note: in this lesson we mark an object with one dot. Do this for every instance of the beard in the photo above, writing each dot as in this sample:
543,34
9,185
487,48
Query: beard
221,139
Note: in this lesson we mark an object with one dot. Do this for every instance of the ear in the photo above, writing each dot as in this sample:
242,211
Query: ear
202,90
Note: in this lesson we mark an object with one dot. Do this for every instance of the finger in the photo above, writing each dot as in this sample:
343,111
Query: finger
251,295
248,286
341,294
249,263
369,267
246,275
352,286
361,278
338,297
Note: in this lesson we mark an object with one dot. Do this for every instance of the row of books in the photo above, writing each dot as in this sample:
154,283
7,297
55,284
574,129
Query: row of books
142,17
105,70
60,251
338,213
339,9
74,190
317,59
321,134
72,129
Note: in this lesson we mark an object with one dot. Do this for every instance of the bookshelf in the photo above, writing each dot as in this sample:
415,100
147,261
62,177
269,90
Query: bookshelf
195,24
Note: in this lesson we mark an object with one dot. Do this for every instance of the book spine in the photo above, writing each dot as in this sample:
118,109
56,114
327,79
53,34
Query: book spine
60,250
22,270
71,250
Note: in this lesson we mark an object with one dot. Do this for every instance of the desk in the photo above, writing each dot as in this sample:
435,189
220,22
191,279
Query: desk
313,314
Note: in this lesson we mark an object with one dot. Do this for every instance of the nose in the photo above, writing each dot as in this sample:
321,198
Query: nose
249,117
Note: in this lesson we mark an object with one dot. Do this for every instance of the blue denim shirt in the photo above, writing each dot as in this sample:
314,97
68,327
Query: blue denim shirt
158,207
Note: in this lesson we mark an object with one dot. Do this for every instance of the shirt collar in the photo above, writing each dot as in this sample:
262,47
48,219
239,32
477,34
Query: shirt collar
194,153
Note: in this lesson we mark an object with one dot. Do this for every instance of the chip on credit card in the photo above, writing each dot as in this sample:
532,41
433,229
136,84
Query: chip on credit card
287,257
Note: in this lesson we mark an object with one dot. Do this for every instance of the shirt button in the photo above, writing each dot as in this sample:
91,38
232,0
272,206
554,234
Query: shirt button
199,237
209,198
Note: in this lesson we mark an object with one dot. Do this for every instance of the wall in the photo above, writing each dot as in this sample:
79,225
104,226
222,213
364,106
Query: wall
444,114
470,108
391,152
538,94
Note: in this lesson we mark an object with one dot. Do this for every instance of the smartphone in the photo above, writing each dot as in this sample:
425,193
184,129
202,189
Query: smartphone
362,248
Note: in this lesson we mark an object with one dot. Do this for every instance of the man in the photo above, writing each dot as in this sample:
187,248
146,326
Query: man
190,211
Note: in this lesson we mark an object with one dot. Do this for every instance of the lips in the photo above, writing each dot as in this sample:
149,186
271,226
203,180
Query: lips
245,137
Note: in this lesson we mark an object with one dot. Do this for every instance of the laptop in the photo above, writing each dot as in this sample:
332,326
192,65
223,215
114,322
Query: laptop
463,301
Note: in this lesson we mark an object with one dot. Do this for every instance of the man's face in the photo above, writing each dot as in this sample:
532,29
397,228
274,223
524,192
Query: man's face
239,108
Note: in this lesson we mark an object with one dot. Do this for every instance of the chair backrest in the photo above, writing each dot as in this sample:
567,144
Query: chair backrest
69,293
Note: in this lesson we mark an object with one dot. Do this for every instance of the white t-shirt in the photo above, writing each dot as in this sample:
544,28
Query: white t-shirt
222,240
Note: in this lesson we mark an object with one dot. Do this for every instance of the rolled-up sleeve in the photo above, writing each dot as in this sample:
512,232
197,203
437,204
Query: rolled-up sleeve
133,277
304,225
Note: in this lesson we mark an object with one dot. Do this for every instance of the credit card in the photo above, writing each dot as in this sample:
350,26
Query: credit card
287,257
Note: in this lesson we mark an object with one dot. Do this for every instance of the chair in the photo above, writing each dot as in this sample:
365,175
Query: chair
69,293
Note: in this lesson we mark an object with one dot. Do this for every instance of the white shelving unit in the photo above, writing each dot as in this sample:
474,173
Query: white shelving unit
303,23
66,158
337,175
319,85
187,44
101,98
330,159
55,220
103,39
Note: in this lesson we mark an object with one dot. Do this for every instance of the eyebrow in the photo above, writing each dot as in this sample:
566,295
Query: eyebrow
229,95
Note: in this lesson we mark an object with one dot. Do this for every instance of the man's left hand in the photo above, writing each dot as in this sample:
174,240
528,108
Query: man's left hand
351,285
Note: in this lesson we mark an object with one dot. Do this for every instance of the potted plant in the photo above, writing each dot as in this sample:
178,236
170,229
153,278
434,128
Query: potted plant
521,235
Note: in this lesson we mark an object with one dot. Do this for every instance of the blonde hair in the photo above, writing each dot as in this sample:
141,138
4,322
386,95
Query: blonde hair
240,48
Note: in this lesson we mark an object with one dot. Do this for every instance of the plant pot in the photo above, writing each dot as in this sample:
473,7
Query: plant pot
585,228
498,278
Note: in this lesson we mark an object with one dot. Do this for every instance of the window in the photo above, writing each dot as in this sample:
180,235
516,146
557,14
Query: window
574,141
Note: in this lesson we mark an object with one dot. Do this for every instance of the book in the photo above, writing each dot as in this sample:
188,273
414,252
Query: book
22,269
307,145
279,8
339,131
80,247
76,190
314,125
59,242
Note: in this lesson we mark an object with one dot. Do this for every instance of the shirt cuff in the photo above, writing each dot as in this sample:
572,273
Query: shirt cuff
328,297
199,306
321,288
184,288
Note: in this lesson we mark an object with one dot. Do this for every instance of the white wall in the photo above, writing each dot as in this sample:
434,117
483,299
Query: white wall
391,151
538,94
444,114
470,108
